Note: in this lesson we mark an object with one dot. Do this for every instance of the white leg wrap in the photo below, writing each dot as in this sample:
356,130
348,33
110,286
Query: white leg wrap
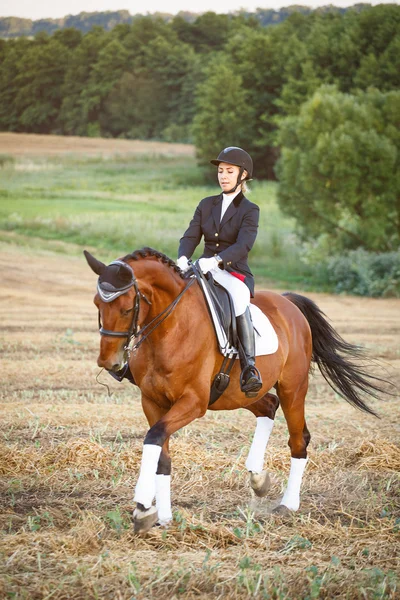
255,459
146,486
163,498
291,497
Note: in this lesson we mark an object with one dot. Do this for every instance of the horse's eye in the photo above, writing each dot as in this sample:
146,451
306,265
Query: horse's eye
126,312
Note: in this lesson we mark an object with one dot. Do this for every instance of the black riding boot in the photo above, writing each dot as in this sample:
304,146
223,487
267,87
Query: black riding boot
250,378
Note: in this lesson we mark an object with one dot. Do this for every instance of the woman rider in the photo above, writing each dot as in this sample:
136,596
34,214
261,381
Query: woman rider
229,224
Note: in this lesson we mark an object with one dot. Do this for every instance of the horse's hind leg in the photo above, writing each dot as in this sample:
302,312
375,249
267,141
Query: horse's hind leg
264,410
292,403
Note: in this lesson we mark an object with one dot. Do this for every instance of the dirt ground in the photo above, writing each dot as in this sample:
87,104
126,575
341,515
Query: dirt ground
32,144
69,460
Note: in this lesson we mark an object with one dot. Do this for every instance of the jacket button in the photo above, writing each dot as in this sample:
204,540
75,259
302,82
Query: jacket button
215,254
217,245
229,263
216,234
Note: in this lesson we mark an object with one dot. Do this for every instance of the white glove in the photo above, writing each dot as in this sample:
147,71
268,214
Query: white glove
182,263
208,264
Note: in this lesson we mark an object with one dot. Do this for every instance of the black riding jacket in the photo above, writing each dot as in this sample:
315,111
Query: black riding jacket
231,239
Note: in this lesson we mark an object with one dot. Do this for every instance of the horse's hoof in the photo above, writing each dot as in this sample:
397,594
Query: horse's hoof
144,520
164,523
260,483
282,511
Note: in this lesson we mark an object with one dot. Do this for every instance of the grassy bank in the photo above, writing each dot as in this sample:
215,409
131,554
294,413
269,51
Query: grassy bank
117,204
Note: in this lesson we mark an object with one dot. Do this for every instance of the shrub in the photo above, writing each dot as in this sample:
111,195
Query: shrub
363,273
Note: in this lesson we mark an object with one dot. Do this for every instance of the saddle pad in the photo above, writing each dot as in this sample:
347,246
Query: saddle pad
265,335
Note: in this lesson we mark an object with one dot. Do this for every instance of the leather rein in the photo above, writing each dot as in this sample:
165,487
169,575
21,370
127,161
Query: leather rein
144,332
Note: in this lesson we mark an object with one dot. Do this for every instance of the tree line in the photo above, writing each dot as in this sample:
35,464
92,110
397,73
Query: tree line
314,99
84,21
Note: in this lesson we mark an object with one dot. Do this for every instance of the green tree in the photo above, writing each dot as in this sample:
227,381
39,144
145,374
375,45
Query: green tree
112,61
75,112
222,111
40,74
134,107
12,54
339,169
253,57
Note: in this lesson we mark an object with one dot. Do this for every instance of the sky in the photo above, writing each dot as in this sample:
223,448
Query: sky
42,9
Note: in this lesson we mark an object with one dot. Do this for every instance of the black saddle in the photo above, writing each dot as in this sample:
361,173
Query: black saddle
223,305
225,313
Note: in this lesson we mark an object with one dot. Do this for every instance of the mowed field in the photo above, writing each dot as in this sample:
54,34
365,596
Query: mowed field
70,455
31,144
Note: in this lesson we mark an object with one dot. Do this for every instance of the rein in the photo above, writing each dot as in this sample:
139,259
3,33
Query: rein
166,312
145,331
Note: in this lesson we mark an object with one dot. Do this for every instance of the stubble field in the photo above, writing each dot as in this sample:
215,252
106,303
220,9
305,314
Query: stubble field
70,455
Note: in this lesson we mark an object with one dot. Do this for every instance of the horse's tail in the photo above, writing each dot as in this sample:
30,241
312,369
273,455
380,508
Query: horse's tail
335,357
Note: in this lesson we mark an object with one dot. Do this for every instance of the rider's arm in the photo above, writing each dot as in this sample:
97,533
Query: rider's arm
245,238
192,236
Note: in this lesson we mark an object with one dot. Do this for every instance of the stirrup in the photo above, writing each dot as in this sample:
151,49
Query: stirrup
250,381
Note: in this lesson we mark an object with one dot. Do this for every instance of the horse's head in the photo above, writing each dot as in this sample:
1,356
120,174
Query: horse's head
118,302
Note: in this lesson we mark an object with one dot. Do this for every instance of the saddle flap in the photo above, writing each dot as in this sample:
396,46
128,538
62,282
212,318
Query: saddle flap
220,305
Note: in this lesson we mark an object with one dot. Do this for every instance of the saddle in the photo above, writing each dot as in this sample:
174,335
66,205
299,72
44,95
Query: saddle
222,312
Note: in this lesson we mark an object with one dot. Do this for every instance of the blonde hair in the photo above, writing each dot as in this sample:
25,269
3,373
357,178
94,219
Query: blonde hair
244,187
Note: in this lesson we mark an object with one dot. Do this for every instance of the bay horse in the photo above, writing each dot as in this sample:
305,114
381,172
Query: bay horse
155,319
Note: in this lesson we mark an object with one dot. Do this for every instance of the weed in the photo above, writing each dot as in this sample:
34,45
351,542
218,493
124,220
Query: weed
132,577
37,522
295,543
117,521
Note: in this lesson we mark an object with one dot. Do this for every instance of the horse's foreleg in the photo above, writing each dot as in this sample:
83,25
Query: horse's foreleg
163,486
184,411
152,484
292,403
264,410
154,476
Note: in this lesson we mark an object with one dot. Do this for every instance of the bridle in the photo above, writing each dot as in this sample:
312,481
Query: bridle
133,329
133,332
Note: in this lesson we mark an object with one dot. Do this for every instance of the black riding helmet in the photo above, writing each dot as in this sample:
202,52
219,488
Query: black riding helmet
238,157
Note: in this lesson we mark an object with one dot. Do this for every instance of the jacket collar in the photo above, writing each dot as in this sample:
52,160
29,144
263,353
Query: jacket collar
232,208
236,201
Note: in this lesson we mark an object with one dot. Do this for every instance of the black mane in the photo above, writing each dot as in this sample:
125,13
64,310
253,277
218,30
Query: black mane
146,251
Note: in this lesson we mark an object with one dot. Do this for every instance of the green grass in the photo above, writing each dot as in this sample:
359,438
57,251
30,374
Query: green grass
114,206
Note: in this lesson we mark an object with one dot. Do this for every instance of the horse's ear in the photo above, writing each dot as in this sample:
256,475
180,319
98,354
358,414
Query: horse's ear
96,266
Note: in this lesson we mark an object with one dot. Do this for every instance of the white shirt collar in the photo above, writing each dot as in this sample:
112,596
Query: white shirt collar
228,199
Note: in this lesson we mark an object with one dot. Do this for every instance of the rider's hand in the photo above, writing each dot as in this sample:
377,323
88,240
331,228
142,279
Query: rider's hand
183,263
208,264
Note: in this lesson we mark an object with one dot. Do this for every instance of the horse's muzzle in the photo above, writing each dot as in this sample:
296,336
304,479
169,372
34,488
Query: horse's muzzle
110,364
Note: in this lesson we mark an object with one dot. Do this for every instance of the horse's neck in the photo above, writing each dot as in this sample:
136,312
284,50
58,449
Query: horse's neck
185,318
160,284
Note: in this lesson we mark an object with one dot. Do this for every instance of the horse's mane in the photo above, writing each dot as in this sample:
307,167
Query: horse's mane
146,251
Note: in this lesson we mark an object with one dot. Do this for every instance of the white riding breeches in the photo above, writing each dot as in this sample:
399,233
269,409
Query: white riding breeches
238,289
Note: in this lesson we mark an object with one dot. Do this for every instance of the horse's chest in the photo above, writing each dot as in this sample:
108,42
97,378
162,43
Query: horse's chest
158,387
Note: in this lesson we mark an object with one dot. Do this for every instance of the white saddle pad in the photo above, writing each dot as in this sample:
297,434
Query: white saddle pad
265,334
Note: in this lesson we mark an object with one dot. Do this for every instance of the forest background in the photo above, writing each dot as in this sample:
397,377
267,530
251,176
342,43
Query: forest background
313,97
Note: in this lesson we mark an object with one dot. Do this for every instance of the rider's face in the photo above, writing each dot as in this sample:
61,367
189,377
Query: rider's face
227,176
